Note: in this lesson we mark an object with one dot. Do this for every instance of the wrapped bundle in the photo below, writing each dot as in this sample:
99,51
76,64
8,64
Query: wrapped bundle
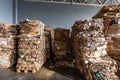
30,43
61,43
49,39
31,46
89,45
8,35
63,56
7,57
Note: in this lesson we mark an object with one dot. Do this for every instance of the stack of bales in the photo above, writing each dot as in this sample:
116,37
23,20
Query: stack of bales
63,55
89,45
61,43
31,46
8,35
113,37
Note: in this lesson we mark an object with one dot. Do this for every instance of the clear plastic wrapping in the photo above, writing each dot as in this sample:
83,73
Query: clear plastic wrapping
8,35
31,46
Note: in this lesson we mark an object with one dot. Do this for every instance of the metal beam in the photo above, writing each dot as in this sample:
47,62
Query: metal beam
106,1
99,1
79,2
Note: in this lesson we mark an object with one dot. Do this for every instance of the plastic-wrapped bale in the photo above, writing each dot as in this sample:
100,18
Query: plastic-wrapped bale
7,58
31,46
49,39
8,35
61,43
89,45
63,56
113,48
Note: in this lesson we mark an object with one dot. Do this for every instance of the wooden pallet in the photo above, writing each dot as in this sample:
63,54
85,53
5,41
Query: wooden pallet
25,70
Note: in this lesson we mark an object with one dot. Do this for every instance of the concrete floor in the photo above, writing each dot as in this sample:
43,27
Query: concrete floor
43,74
47,72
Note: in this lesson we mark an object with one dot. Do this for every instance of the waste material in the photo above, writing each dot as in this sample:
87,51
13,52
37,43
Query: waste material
89,46
113,38
61,43
8,35
63,55
31,46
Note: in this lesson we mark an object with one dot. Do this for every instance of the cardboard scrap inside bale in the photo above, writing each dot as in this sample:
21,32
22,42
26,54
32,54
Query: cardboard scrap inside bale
34,43
89,46
31,46
7,58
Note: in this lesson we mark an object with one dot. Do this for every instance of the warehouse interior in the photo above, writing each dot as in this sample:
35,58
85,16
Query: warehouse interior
60,40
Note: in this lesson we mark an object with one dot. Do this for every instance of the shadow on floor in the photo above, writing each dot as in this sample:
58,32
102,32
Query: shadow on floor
66,71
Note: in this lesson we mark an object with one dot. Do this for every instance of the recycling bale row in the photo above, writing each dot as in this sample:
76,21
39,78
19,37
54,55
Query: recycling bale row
89,46
49,39
31,46
8,35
